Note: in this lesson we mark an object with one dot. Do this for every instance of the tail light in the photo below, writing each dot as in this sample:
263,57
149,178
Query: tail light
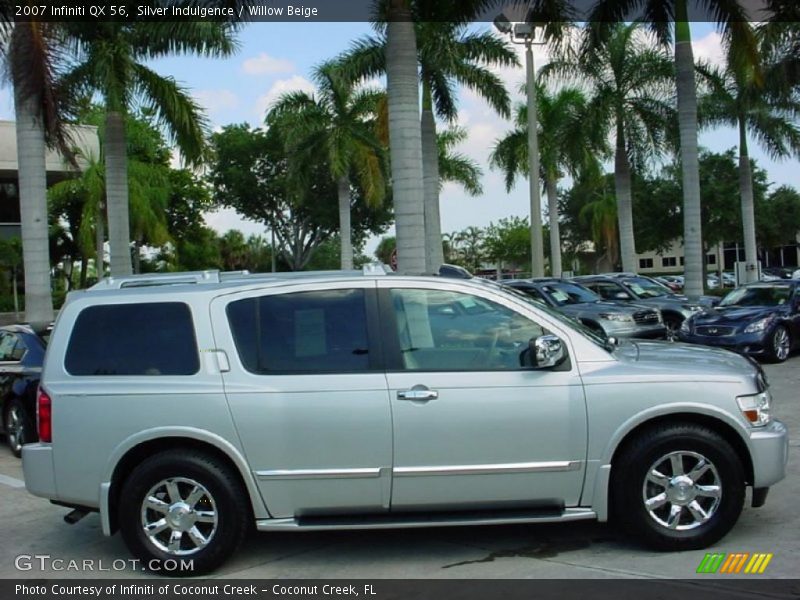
44,416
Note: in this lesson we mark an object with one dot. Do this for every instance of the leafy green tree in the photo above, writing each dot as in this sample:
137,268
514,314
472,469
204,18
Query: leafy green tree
249,173
668,20
112,63
778,217
340,123
11,262
740,95
508,242
629,80
449,55
455,167
385,248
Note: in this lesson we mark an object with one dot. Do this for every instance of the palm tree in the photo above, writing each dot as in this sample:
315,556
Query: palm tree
601,216
340,123
449,55
629,80
112,64
455,167
739,96
32,53
665,18
405,145
567,144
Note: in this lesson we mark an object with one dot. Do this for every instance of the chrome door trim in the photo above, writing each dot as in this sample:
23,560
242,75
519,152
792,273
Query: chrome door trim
319,473
527,467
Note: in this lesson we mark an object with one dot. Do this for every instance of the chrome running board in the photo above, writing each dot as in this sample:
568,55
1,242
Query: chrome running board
404,520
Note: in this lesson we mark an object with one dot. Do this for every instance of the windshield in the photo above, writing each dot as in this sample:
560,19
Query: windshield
594,336
758,295
646,288
568,293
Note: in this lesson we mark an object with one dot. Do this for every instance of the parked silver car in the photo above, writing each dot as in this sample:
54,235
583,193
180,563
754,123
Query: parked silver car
629,287
190,408
611,318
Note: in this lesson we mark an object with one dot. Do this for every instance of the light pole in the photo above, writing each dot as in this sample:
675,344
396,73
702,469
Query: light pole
525,33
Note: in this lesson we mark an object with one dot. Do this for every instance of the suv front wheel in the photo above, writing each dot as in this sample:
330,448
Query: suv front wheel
678,487
183,512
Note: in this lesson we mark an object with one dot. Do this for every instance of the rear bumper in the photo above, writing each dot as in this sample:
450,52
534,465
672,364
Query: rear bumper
37,465
769,451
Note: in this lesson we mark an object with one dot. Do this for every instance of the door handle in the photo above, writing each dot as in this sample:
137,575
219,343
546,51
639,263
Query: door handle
418,395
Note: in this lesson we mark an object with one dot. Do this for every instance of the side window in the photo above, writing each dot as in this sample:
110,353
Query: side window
133,339
534,295
450,331
8,344
304,332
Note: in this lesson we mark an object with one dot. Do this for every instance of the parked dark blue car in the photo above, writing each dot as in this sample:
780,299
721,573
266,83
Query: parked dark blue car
760,319
21,357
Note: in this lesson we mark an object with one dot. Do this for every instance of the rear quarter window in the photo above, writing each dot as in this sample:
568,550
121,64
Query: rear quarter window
133,339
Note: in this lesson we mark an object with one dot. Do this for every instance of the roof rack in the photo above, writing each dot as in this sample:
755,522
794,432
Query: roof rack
215,276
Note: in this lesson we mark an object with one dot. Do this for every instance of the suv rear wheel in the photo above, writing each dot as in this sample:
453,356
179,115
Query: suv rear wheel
183,506
678,487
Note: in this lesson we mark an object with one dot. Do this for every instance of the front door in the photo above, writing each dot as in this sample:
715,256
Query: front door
308,396
473,429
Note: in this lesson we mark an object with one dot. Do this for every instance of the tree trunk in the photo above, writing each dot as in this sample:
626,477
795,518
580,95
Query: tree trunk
551,183
344,224
748,212
119,234
99,241
405,143
15,283
687,122
84,269
33,211
137,257
434,256
537,243
622,183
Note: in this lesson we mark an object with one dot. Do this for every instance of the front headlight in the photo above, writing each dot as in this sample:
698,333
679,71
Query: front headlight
685,327
755,408
759,325
616,317
692,307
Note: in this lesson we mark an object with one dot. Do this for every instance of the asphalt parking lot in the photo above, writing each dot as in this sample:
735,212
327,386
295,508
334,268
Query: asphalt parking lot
32,526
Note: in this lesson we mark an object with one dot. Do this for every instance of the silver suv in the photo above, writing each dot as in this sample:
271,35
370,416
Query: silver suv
190,408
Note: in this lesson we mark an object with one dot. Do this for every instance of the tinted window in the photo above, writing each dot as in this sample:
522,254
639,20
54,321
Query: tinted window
569,293
323,331
449,331
133,339
11,347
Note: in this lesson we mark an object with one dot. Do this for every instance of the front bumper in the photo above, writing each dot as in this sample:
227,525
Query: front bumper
769,451
752,344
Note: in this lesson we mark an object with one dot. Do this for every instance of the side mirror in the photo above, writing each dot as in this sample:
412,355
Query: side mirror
546,351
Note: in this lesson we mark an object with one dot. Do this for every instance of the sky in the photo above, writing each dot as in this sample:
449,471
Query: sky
274,58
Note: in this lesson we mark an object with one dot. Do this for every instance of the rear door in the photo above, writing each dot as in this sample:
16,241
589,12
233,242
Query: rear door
308,395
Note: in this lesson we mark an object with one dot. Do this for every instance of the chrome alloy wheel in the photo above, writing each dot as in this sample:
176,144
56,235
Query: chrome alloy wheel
179,516
781,343
682,490
15,427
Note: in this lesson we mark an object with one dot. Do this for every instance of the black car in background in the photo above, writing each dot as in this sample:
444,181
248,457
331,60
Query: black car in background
21,357
759,319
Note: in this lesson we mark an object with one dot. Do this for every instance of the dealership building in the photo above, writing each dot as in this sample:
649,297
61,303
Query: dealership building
83,137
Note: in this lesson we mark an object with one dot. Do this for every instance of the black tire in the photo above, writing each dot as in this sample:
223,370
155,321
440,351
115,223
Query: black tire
780,336
19,427
672,324
225,498
629,487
